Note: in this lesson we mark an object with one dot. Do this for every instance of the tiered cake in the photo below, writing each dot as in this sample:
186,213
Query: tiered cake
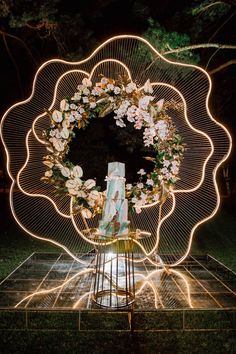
114,220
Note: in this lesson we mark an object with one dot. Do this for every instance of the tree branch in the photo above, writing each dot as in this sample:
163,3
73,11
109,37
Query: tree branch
221,67
199,46
208,6
192,47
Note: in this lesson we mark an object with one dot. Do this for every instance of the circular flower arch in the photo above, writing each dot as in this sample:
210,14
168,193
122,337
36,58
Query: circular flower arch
128,103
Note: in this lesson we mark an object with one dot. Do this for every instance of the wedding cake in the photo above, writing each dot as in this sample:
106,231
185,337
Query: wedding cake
114,220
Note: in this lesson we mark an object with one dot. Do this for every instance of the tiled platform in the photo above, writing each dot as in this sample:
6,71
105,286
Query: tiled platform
53,281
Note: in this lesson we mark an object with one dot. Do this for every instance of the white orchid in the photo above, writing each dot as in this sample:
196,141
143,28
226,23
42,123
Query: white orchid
141,172
150,182
144,102
131,87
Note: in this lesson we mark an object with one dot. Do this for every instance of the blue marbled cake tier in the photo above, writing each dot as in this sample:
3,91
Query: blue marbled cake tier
115,212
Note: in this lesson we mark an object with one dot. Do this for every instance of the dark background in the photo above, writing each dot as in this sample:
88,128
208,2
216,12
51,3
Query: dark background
32,32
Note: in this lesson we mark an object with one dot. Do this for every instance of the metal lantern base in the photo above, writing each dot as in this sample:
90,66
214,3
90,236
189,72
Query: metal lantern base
114,274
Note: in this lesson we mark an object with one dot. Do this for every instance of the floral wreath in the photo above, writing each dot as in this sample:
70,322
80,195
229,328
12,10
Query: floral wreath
127,101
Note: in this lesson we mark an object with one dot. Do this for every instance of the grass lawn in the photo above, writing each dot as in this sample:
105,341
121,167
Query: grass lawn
216,237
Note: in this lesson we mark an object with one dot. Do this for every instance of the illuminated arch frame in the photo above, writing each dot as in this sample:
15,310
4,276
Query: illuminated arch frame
176,191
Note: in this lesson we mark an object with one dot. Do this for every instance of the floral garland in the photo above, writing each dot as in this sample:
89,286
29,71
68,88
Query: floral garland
128,103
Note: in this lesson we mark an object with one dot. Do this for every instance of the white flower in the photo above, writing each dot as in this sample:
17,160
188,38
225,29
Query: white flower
77,96
134,200
72,117
166,163
48,173
96,91
86,82
57,134
65,133
143,198
104,81
58,144
77,171
144,102
72,191
141,172
140,185
110,87
94,195
150,182
65,171
161,124
74,186
148,87
92,105
148,135
86,213
164,171
64,105
117,90
160,105
85,99
80,88
131,87
138,209
120,123
52,132
90,183
86,91
81,194
128,186
175,168
73,106
146,117
57,116
72,183
81,109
